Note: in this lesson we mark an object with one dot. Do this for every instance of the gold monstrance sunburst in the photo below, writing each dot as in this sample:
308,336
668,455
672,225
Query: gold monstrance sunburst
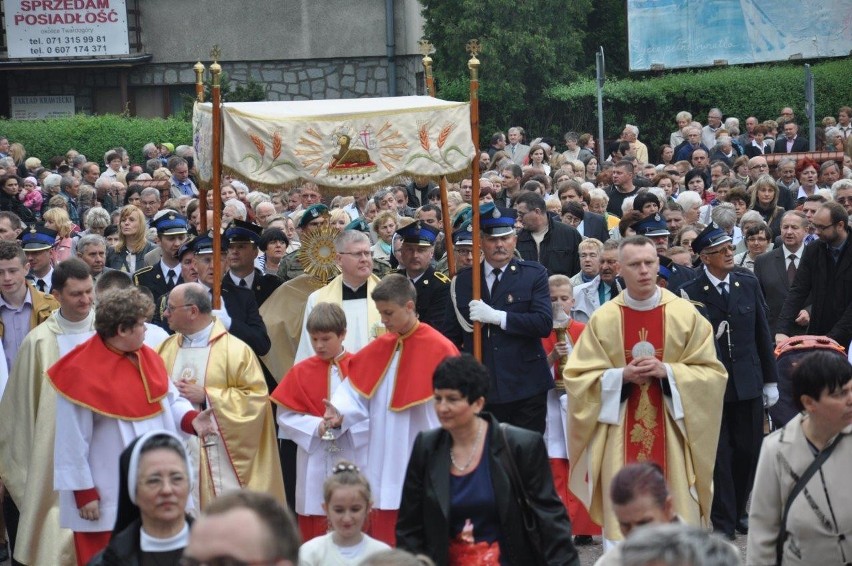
317,253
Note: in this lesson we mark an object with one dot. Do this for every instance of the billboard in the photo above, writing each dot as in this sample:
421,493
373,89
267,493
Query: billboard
665,34
41,107
65,28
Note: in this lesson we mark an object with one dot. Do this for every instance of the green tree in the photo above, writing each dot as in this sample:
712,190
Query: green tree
526,48
607,27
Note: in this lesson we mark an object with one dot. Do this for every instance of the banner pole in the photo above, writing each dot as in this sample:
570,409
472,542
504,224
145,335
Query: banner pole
473,64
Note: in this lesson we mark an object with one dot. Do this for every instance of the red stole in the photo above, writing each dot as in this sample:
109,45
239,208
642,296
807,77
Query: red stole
308,383
645,419
123,386
421,350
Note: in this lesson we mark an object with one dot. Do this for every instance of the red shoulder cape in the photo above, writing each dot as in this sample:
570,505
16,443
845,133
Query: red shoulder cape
422,350
307,384
107,382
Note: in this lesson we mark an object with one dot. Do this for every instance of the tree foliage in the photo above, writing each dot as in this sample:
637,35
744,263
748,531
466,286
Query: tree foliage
527,47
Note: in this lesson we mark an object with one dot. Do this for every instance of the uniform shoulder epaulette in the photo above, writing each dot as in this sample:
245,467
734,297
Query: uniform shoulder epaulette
141,271
441,277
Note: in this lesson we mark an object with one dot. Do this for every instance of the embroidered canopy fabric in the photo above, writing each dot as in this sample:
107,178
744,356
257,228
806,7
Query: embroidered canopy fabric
337,144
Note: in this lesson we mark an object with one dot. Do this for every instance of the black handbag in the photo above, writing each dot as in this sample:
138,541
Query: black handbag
530,519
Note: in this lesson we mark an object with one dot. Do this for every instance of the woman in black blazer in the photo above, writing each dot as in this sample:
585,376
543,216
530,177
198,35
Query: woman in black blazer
457,482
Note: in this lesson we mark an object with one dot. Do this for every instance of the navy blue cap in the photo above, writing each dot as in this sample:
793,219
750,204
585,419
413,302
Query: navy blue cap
358,224
709,237
418,234
170,223
494,223
242,231
463,236
203,245
653,225
312,212
187,246
37,238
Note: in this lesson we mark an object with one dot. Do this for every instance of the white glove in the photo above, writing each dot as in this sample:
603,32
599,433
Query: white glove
770,394
225,318
482,312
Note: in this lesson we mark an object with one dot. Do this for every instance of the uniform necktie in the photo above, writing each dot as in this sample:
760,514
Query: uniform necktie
723,289
170,277
496,274
791,268
243,283
42,286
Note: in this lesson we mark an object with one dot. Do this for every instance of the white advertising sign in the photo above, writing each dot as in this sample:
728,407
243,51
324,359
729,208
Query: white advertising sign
41,107
66,28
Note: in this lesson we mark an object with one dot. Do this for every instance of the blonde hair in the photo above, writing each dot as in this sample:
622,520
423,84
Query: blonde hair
60,218
134,243
384,217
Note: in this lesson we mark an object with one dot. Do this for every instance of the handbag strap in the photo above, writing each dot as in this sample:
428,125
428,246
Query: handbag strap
798,487
512,469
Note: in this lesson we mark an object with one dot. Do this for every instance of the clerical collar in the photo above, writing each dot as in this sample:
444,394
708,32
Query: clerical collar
651,302
69,327
198,339
150,544
351,294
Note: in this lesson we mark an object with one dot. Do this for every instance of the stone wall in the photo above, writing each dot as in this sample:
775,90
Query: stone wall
283,80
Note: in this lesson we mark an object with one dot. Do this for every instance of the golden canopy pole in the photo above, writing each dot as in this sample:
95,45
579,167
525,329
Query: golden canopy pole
216,100
426,49
202,190
473,64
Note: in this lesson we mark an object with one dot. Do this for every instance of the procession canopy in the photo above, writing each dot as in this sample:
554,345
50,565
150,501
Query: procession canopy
340,145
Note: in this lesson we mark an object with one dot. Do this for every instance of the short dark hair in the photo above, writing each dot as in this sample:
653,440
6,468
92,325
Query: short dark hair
282,534
532,200
272,235
633,480
837,212
464,374
173,162
432,208
11,250
71,268
625,164
14,219
113,279
394,288
516,170
818,373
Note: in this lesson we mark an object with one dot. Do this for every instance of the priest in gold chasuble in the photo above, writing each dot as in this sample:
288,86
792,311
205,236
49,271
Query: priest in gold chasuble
644,383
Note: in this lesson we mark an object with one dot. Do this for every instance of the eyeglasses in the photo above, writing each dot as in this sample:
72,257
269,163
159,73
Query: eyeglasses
823,226
170,308
156,483
357,254
722,250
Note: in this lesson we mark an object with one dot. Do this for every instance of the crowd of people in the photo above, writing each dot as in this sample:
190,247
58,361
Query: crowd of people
630,309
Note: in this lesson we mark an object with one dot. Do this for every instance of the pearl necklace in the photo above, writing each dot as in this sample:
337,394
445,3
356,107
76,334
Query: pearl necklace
472,453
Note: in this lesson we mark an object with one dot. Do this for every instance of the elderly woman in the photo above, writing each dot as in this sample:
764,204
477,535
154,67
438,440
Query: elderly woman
807,171
384,226
801,511
464,481
273,245
152,526
692,206
129,253
686,236
764,199
758,239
